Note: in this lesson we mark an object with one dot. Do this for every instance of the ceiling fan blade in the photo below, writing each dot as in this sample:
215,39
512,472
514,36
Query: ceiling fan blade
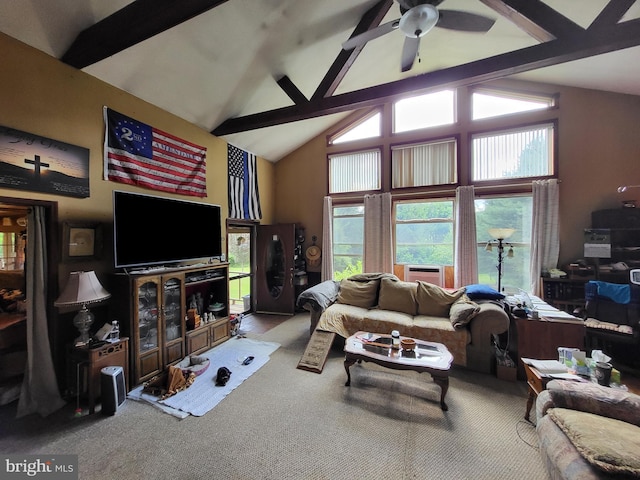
364,37
409,52
464,21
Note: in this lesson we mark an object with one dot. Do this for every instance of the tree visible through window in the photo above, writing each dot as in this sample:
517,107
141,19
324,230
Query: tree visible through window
424,233
517,153
504,212
348,240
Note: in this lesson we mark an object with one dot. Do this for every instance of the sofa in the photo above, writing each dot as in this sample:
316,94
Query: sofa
381,302
587,431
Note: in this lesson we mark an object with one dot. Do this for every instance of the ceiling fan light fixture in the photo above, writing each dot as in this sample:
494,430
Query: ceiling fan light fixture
419,20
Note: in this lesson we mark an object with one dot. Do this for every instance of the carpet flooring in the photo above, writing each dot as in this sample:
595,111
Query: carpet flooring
288,423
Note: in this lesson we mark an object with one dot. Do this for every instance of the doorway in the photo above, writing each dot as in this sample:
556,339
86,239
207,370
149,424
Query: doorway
13,239
241,257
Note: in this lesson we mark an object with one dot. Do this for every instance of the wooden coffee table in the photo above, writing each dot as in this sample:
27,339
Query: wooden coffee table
430,357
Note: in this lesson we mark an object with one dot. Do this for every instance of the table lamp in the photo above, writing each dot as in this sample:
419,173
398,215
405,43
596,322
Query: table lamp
82,288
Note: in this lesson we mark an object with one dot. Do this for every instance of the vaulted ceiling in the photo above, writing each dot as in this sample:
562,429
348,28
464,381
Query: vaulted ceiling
269,75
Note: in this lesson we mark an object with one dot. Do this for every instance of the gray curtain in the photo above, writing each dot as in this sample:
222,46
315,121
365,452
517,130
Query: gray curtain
378,244
327,240
39,393
545,241
466,245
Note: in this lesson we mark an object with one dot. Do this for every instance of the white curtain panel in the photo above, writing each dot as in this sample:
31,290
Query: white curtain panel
39,393
466,244
326,272
378,255
545,241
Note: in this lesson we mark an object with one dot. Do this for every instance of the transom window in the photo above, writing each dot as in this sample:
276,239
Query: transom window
348,240
424,232
368,127
487,103
516,153
354,172
424,164
424,111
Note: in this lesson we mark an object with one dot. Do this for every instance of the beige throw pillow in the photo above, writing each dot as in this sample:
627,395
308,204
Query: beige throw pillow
434,300
462,311
398,296
358,294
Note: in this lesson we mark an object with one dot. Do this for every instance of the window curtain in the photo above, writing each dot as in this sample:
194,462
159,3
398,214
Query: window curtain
39,393
545,242
326,271
466,244
378,256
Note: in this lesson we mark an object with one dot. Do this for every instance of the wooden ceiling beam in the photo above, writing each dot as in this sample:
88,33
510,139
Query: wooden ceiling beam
535,18
130,25
583,45
291,90
345,59
611,13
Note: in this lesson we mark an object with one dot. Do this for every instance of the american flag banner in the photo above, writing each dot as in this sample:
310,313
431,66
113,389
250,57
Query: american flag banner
138,154
244,198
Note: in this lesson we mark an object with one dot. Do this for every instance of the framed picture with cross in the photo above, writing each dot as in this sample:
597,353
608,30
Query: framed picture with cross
40,164
81,241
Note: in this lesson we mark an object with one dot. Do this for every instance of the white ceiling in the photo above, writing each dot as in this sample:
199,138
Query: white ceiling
224,63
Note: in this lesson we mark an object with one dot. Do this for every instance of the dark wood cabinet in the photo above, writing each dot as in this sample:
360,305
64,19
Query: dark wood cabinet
565,294
152,309
623,226
541,338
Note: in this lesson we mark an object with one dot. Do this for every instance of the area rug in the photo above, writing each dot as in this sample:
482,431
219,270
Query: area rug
315,355
203,395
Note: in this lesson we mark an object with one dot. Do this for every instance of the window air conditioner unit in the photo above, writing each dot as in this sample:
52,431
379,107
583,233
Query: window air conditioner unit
426,273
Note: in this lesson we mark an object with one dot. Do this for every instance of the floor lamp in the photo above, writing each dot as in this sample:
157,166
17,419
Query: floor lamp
500,235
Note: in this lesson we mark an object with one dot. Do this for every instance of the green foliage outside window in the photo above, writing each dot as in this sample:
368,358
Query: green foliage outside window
424,233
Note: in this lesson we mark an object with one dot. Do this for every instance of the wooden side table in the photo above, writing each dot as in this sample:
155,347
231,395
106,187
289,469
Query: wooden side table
536,382
84,365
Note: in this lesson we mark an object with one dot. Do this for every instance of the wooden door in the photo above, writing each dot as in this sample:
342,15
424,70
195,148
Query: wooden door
275,250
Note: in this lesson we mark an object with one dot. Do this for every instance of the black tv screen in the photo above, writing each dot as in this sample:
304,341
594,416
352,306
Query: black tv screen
151,230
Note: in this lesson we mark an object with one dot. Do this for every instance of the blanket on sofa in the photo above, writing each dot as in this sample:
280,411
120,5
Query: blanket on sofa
381,303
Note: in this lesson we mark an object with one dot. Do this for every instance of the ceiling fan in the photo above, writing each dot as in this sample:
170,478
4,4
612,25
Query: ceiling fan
418,18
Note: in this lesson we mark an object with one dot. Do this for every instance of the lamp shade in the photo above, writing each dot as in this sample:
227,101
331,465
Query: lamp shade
501,233
82,288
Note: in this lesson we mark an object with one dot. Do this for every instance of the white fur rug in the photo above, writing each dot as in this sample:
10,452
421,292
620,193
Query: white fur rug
203,395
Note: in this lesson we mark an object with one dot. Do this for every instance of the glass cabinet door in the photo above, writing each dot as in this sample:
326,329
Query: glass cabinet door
148,316
173,318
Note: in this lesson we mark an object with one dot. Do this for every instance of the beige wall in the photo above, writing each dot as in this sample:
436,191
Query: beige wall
40,95
599,149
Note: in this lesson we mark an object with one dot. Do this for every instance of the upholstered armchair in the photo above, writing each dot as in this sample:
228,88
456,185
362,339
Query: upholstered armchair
587,431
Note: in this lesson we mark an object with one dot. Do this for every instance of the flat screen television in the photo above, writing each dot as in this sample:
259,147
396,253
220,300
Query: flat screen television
151,230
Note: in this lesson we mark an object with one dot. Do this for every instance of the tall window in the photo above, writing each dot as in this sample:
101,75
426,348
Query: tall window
424,232
418,165
348,240
504,212
424,111
354,172
516,153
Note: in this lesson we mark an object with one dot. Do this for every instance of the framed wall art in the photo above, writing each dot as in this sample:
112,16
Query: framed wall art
81,241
